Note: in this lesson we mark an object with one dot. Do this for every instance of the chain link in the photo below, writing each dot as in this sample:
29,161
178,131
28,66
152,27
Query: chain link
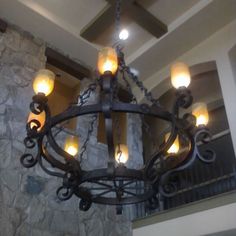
134,78
90,131
86,94
117,20
83,98
147,94
118,134
134,99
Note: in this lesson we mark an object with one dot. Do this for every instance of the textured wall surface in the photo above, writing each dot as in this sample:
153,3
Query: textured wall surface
28,202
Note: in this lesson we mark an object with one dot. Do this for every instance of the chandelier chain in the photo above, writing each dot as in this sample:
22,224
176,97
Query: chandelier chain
86,94
147,94
90,131
118,133
117,18
134,99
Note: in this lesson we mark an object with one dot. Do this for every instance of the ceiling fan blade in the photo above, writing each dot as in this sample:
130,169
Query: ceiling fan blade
147,21
99,24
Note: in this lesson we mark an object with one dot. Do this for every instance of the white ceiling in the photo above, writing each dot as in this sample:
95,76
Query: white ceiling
59,22
168,10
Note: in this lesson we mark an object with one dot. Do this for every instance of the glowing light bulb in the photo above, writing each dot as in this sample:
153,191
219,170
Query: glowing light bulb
180,75
107,60
41,118
174,149
124,34
121,153
72,145
44,82
199,110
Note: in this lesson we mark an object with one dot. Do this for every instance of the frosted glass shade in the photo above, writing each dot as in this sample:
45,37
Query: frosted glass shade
72,145
175,146
123,155
199,110
107,60
180,75
41,118
44,82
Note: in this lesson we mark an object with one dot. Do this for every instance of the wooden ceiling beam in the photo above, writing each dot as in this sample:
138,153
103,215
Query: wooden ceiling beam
130,8
66,64
147,21
99,24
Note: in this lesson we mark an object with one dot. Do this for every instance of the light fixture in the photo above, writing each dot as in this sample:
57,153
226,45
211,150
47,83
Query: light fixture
72,145
44,82
124,34
121,153
180,75
107,60
118,177
201,113
174,149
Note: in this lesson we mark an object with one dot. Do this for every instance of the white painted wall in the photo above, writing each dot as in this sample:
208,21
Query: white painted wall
202,223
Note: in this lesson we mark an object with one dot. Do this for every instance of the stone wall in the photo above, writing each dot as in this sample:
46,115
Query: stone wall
28,202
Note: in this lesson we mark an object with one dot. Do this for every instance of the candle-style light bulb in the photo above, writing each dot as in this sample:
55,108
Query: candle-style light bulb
180,75
174,149
44,82
107,60
121,153
199,110
72,145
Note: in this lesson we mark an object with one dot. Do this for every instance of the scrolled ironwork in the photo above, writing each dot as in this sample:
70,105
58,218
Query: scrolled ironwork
28,160
184,98
64,193
207,156
85,204
29,142
33,126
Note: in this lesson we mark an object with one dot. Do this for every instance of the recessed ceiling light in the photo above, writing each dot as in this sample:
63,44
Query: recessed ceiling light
124,34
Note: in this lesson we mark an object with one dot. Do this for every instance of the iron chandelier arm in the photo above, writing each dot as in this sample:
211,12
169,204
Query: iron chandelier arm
70,160
28,160
46,157
166,187
202,134
54,162
38,106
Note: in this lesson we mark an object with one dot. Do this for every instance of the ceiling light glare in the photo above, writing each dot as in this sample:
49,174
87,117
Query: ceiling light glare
124,34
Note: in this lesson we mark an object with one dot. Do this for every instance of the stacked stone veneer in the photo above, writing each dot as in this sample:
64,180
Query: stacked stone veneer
28,202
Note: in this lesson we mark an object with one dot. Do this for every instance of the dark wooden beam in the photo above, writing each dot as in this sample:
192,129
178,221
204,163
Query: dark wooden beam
3,26
66,64
99,24
147,21
106,18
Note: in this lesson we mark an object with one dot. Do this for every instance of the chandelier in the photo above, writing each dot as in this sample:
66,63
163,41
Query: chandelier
116,183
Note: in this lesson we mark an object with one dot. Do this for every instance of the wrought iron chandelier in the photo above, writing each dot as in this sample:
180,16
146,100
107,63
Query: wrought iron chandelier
116,184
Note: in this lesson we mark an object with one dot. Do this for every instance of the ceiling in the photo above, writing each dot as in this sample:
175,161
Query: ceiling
59,23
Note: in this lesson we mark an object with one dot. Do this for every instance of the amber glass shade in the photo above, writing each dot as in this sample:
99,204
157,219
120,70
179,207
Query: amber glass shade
44,82
107,60
72,145
199,110
180,75
174,149
121,153
41,118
